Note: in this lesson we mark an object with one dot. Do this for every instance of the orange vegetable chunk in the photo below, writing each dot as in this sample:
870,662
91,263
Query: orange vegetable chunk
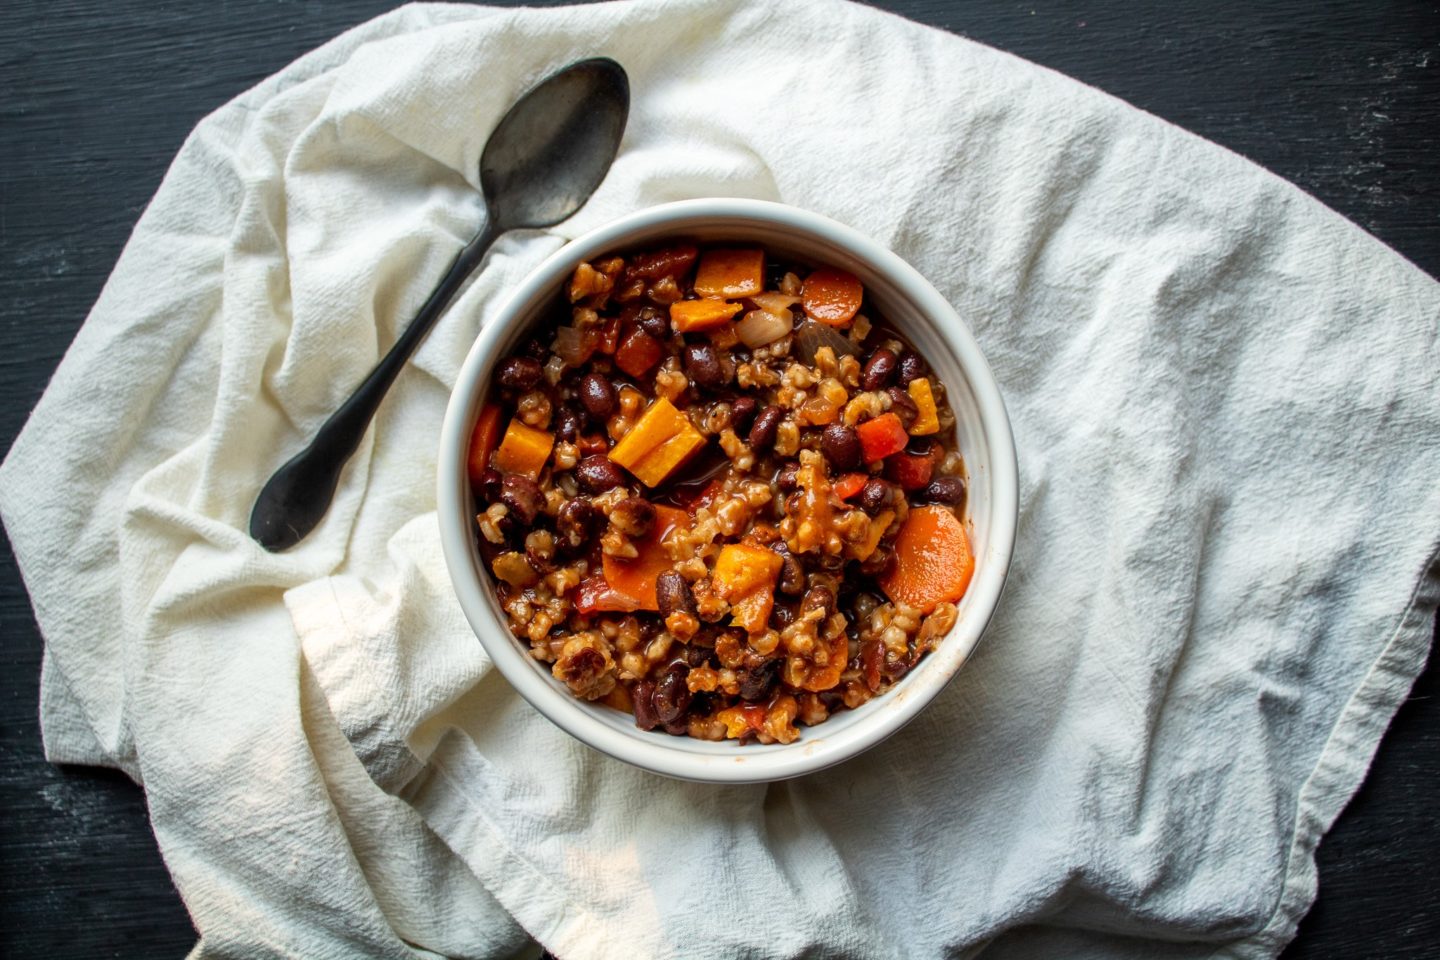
933,560
751,612
742,719
832,296
638,352
849,485
524,450
483,440
731,273
743,568
688,316
881,436
661,440
745,575
594,595
634,580
928,419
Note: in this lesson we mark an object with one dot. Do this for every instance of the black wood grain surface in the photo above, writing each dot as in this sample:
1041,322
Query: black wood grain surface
96,97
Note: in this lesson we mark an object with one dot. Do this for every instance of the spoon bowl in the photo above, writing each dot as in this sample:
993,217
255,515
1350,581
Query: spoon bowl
542,162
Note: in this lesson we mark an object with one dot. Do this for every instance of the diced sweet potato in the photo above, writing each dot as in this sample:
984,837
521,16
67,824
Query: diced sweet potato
689,316
483,440
743,568
524,450
751,612
661,440
927,421
731,273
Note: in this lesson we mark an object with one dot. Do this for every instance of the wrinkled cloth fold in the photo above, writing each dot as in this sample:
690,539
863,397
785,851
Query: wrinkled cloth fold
1227,413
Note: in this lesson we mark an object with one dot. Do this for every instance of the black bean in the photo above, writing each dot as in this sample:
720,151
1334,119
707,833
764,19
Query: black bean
672,594
597,474
878,370
875,496
912,367
597,393
522,496
788,479
949,490
702,365
841,446
698,656
878,562
536,349
742,411
568,423
654,323
520,373
792,576
818,597
902,406
762,431
757,682
644,696
672,693
633,516
575,521
781,616
489,488
679,727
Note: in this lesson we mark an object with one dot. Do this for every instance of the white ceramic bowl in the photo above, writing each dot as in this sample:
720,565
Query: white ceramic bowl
911,305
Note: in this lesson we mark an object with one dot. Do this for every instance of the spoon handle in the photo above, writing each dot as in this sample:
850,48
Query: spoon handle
296,497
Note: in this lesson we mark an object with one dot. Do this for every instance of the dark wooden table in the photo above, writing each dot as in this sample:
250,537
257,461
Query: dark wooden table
1342,99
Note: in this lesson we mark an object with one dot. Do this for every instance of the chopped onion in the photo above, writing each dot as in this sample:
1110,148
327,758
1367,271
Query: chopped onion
759,327
776,303
811,336
573,346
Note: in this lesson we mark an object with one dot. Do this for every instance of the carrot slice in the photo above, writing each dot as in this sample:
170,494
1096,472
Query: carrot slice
881,437
849,485
832,296
934,561
688,316
635,579
524,450
730,273
483,440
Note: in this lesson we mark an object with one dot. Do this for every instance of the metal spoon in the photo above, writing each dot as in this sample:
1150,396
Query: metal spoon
541,164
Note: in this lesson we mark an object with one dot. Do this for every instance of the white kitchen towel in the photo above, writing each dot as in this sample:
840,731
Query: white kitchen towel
1226,405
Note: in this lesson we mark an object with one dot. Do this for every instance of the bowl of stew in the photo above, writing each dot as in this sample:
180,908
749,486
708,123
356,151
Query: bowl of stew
727,490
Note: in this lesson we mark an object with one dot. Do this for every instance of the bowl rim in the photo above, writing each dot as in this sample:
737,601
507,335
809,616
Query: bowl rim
809,754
